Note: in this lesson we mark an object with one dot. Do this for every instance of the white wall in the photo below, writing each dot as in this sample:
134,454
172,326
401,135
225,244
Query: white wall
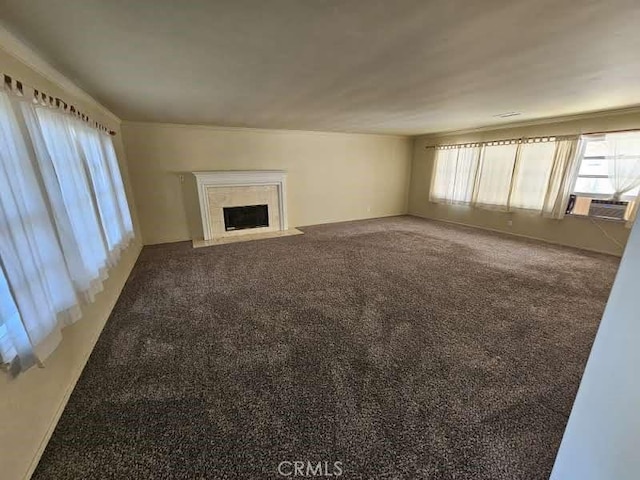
31,404
602,439
332,177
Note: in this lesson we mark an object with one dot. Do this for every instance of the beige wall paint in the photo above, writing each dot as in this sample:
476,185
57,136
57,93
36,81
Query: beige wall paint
599,235
30,404
332,177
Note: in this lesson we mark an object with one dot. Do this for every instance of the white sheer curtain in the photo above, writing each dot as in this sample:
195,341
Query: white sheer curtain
108,190
443,175
78,254
495,176
124,215
15,346
534,175
531,177
103,195
59,147
455,174
63,220
36,273
566,163
624,162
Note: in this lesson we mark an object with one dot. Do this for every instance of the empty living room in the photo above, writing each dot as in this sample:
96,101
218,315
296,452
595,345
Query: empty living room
288,239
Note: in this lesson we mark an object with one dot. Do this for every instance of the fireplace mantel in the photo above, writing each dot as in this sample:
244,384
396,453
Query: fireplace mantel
235,186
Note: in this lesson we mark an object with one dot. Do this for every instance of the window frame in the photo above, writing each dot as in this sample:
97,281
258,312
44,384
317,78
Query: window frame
597,196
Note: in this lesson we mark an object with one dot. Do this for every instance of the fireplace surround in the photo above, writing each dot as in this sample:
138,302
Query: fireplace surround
220,191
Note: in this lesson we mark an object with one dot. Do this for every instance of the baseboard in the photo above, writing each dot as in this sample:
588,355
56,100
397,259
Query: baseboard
495,230
386,215
359,219
76,375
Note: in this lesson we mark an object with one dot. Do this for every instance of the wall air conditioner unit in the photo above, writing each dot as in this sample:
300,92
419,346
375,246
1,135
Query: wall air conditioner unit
608,209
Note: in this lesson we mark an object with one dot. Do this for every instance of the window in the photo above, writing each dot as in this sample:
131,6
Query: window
526,174
597,169
63,220
609,170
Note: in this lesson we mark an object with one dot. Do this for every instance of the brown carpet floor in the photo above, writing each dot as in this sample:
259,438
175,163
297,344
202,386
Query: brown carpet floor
403,348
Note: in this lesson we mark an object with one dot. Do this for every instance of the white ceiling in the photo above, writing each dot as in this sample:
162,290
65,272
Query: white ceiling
378,66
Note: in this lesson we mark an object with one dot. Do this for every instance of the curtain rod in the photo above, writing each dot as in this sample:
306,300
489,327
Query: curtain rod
508,141
529,139
17,87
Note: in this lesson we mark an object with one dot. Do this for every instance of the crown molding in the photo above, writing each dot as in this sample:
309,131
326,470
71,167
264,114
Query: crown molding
25,54
630,110
281,131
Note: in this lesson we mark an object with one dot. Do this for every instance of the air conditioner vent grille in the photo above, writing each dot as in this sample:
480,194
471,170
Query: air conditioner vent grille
608,209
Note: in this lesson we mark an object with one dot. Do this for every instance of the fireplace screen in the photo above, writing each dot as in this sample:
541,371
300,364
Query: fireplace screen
250,216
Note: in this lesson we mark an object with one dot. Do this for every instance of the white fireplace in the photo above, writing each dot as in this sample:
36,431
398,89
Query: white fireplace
222,195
